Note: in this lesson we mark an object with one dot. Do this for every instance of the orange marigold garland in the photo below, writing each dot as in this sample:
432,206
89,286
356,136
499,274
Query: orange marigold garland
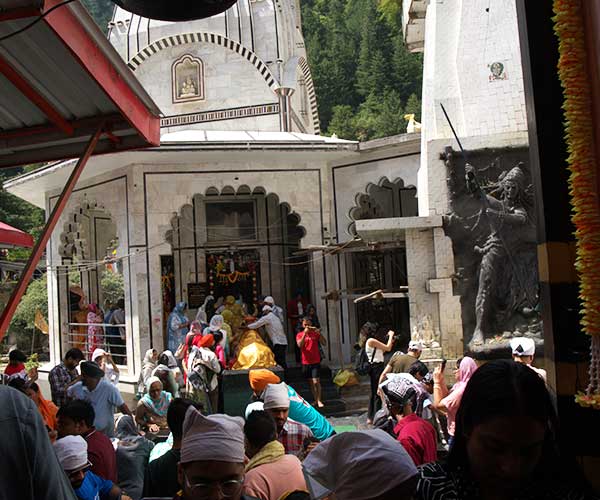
582,180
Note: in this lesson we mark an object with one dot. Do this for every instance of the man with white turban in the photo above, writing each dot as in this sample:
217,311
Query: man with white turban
277,311
363,465
275,331
290,434
523,350
212,457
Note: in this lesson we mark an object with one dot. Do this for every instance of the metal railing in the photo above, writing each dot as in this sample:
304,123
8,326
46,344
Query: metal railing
111,343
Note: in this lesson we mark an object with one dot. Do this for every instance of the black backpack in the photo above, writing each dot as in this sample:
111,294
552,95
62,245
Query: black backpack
362,365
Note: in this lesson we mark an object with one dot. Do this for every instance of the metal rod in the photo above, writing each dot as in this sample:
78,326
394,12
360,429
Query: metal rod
454,132
38,250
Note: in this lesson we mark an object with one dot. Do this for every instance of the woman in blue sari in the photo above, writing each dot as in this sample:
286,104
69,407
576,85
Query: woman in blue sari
177,326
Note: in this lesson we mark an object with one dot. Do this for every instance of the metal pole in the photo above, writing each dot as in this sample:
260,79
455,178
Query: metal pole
39,247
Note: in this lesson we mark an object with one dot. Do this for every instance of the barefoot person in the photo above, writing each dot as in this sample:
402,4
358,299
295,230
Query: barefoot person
308,341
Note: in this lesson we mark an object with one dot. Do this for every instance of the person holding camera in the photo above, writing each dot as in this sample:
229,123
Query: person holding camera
375,349
309,340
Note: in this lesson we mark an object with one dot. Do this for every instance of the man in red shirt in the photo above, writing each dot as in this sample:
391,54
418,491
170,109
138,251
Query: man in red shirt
308,341
416,435
76,418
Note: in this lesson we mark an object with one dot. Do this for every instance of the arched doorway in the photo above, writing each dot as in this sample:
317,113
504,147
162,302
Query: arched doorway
239,242
383,268
88,249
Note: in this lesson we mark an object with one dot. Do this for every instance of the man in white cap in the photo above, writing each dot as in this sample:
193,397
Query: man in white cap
72,455
290,434
400,362
363,465
277,311
212,457
275,331
523,350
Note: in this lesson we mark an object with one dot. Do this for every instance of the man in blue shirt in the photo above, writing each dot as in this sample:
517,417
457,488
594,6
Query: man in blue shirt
72,455
101,394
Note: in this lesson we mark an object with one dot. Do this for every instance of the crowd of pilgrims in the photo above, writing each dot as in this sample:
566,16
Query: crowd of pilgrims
492,435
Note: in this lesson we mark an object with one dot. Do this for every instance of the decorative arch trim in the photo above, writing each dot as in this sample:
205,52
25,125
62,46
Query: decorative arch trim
365,202
213,192
312,94
73,242
187,38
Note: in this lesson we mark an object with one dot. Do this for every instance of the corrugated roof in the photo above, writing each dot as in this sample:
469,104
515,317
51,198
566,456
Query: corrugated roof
60,79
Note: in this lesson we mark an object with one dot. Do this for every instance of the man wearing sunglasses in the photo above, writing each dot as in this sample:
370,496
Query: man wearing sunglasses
72,455
212,458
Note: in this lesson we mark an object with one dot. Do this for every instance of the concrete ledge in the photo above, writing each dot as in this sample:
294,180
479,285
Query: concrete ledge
394,228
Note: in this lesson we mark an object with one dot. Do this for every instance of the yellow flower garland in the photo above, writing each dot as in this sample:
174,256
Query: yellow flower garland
583,176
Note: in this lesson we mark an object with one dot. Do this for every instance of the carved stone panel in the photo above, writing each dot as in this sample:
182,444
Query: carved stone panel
493,231
188,79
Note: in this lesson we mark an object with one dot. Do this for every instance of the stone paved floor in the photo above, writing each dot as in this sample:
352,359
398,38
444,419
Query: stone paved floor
359,422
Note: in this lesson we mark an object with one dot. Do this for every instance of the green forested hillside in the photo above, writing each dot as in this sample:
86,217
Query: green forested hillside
365,78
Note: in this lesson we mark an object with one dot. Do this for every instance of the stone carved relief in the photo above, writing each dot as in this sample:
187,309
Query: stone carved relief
188,79
492,227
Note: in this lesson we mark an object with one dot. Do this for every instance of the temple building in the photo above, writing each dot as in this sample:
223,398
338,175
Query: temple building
243,198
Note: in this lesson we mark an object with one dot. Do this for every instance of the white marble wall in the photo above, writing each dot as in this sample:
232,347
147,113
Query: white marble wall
230,81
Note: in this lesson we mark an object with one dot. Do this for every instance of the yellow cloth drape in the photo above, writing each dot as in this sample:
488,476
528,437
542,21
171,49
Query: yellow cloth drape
253,353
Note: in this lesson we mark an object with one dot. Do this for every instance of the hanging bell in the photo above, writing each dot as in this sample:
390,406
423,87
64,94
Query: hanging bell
175,10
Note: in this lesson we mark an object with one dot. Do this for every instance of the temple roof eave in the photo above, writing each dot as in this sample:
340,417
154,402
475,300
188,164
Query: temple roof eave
34,185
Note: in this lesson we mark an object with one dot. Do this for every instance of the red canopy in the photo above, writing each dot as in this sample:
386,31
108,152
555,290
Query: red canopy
13,237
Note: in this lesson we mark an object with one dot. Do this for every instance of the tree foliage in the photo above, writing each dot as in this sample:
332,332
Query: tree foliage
364,77
101,11
113,286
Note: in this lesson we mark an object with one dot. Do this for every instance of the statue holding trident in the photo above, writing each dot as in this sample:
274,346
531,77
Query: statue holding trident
507,294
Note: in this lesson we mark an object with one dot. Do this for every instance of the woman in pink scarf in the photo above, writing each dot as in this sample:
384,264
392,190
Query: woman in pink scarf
95,336
449,401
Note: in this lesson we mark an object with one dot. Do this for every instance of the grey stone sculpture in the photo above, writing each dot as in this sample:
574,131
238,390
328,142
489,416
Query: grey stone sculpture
492,227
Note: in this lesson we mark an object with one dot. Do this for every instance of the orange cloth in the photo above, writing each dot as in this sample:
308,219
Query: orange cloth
205,341
259,379
48,411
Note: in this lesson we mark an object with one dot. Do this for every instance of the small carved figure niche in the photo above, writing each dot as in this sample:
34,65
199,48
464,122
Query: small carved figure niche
188,79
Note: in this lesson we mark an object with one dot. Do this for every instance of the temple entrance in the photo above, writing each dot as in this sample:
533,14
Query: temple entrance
235,273
237,242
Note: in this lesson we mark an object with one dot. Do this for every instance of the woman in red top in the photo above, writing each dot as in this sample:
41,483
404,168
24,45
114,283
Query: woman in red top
308,341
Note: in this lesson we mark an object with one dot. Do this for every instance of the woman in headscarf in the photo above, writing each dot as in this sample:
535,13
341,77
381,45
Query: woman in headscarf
449,401
151,412
148,365
203,370
47,408
177,326
95,334
166,374
216,325
311,312
133,451
202,314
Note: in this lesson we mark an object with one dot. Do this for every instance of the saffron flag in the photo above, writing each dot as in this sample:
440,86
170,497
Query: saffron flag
40,322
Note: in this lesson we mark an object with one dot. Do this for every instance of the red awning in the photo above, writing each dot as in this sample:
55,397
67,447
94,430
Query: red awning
12,237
